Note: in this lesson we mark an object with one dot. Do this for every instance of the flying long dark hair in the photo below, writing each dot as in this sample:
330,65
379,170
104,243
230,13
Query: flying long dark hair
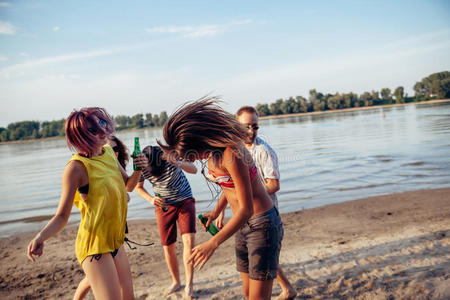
202,127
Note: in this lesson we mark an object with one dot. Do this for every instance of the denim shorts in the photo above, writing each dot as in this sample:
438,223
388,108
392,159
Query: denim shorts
258,245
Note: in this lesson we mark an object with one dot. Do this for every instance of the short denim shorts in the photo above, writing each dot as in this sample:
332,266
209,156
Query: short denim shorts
258,245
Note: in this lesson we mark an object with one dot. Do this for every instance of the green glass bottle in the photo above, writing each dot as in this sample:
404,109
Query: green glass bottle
164,208
211,228
136,152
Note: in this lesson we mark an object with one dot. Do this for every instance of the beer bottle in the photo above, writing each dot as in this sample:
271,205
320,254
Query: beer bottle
211,228
164,208
136,152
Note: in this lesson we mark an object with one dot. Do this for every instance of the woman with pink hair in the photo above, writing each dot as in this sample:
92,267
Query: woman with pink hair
96,183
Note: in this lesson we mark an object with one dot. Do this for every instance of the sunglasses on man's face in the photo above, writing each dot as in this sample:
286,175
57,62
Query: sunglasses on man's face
95,130
253,126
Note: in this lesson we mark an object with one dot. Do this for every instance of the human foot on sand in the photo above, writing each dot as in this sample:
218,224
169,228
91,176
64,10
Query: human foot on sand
287,295
188,292
175,287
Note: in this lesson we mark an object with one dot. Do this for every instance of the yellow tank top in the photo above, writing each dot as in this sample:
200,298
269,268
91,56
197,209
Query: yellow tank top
104,212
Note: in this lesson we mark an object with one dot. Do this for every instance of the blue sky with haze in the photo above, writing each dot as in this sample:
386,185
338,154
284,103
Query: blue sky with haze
148,56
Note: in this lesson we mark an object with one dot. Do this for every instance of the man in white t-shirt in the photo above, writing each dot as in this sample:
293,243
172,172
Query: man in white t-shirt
266,162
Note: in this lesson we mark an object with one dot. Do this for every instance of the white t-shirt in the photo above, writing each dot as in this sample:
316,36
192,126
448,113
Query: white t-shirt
266,162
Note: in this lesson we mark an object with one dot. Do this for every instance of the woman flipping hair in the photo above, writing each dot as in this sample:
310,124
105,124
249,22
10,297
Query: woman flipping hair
94,182
203,130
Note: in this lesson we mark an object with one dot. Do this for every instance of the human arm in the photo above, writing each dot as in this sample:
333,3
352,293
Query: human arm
219,221
131,181
184,165
217,213
187,166
268,162
272,185
238,171
141,191
74,176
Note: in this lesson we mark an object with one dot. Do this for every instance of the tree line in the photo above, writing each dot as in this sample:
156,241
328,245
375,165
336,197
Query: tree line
435,86
26,130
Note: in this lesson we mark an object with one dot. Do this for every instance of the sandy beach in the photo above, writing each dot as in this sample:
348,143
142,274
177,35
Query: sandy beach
387,247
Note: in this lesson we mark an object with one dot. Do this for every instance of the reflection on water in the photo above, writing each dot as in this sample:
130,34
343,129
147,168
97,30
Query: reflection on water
324,159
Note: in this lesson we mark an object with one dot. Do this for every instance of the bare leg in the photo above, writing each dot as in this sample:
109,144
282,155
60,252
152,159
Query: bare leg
124,272
172,264
260,289
245,285
188,244
288,292
103,277
82,289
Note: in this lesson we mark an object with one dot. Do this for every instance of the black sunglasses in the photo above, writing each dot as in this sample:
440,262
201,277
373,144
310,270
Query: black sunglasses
115,148
95,129
253,126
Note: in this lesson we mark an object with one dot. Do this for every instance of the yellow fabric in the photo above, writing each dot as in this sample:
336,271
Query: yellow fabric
104,211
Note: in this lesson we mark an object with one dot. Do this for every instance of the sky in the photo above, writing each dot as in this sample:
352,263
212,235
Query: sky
148,56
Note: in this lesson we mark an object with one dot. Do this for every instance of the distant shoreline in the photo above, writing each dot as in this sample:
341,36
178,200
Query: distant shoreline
352,109
267,117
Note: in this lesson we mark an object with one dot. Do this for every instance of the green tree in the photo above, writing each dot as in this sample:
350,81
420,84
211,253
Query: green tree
365,99
434,85
137,120
399,95
287,107
163,118
156,120
444,89
275,108
122,121
385,93
4,134
263,109
301,105
333,102
419,90
149,120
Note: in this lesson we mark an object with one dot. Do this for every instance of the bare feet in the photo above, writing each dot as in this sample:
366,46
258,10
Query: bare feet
287,295
175,287
188,292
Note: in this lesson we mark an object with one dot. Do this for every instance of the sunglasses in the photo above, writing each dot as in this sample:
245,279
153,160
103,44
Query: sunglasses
115,148
95,130
253,126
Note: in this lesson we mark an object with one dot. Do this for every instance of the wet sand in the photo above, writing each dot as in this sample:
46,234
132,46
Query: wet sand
387,247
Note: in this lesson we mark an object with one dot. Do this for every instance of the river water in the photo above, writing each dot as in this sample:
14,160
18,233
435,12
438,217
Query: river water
324,159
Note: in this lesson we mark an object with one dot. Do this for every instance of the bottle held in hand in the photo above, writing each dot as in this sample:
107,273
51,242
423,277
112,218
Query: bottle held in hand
164,208
211,228
136,152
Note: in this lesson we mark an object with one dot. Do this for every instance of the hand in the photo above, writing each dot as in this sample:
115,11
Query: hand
36,247
201,254
219,220
157,201
211,217
141,161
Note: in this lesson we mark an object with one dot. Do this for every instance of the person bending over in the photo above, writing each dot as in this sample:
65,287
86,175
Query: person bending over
173,203
202,130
